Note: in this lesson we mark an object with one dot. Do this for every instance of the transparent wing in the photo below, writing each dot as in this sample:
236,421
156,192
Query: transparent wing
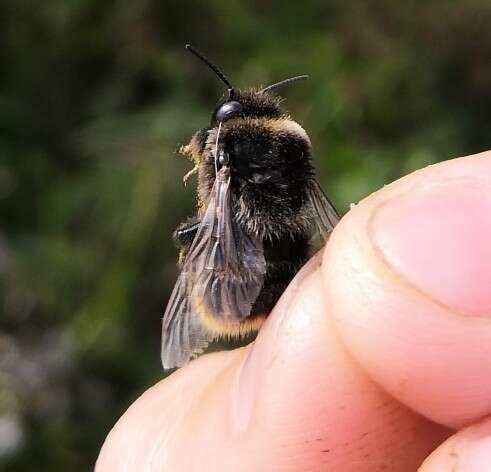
221,278
326,216
183,336
229,263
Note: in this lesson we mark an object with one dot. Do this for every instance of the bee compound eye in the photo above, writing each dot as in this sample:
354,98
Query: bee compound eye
228,110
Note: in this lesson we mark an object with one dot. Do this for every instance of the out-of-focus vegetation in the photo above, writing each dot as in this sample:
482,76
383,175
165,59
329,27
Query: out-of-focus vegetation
96,96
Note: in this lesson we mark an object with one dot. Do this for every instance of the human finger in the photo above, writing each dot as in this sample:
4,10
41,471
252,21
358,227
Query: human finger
409,286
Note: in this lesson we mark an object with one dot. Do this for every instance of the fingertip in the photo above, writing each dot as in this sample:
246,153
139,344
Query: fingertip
467,451
149,435
406,275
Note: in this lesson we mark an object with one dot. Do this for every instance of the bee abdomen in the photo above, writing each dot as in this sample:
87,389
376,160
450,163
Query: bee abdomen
284,258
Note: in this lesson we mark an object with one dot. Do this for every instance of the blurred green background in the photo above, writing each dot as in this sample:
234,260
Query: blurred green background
95,98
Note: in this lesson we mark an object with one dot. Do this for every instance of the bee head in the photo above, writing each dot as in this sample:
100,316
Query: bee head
249,131
258,140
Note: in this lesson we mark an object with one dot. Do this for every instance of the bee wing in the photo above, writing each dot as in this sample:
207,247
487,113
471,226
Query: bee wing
221,278
326,216
183,336
229,263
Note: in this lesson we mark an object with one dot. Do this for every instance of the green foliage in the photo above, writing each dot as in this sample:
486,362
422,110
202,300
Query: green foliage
95,98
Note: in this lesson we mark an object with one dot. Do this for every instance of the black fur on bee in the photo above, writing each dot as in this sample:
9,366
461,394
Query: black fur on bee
259,208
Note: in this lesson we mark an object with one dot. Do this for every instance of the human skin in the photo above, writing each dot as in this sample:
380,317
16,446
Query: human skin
377,356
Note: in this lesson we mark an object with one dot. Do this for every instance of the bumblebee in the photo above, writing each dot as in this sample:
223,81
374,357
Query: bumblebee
260,211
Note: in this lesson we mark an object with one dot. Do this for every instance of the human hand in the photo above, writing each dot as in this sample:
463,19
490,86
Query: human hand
379,350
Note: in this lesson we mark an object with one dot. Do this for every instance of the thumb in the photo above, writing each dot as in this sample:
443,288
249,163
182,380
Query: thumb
294,400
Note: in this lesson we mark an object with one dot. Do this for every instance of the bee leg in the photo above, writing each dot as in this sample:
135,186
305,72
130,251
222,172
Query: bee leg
186,177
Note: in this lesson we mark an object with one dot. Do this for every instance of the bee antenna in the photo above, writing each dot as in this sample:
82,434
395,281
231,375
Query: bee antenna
283,83
214,68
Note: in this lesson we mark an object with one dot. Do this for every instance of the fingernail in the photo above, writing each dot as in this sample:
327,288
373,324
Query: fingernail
251,374
438,240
